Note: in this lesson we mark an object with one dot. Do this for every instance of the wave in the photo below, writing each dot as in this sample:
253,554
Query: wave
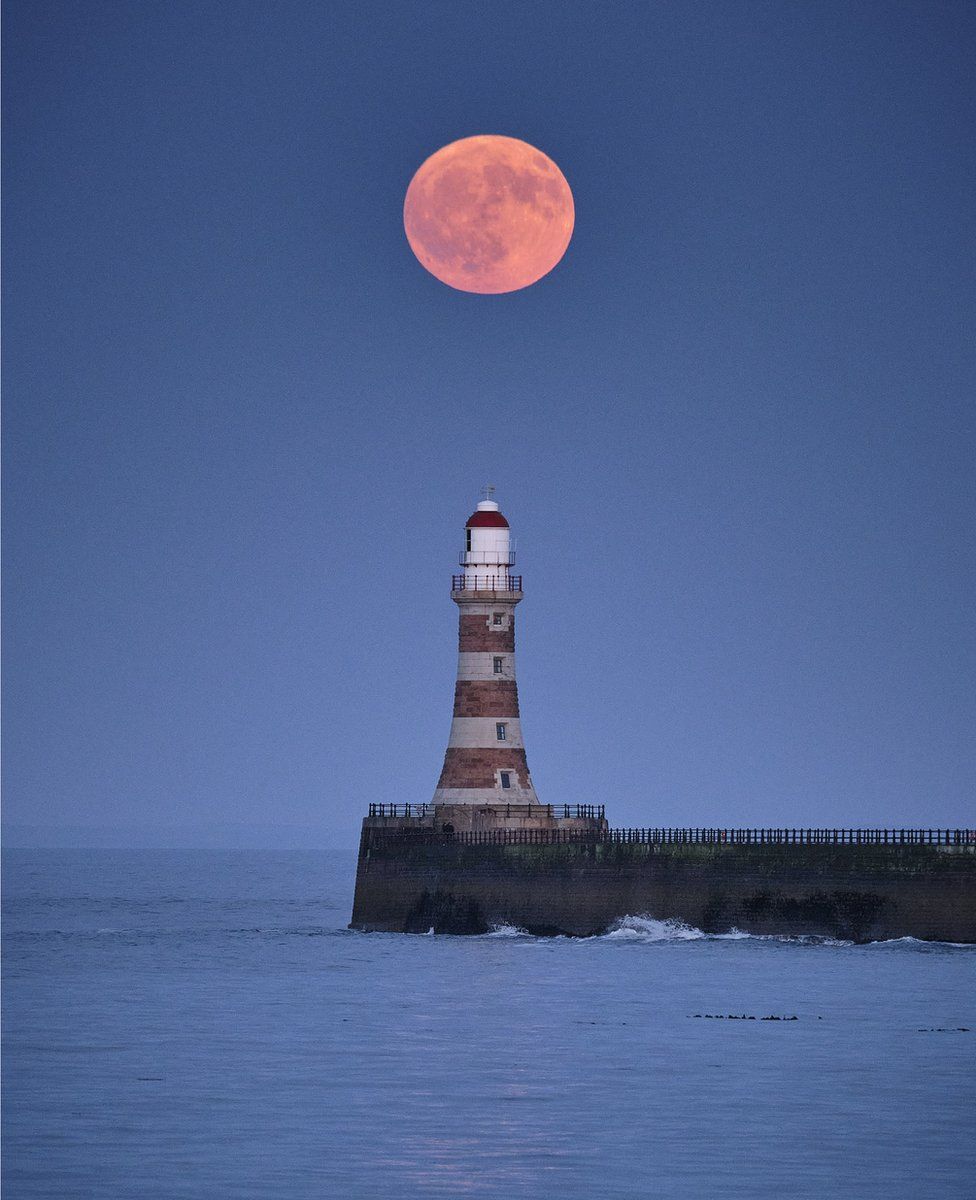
651,929
645,928
914,943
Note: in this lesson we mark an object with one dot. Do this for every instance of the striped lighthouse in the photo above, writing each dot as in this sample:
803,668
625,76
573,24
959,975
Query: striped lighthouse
485,760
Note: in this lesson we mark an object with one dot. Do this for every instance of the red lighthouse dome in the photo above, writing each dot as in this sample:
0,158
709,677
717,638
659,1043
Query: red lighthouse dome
487,519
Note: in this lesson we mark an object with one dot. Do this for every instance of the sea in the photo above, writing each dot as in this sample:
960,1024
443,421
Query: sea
203,1025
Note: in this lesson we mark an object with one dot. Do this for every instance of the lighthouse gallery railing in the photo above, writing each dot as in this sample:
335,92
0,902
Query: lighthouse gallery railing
501,582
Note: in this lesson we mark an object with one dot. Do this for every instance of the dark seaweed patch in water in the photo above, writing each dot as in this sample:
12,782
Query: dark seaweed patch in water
741,1017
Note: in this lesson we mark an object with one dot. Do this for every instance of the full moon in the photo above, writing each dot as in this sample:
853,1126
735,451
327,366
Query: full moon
488,214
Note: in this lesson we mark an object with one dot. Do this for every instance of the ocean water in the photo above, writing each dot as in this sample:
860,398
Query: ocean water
202,1025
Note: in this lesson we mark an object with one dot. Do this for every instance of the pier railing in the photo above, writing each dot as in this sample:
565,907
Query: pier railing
798,837
733,837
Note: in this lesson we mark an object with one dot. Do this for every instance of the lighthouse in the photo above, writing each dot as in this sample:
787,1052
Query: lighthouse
485,761
484,796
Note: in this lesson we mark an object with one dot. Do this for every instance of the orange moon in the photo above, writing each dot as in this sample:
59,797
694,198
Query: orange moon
488,214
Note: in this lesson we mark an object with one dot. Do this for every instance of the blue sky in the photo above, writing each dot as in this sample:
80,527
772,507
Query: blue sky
733,430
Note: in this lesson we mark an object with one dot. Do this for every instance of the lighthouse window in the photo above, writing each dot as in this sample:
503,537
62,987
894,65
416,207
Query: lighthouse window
500,731
497,664
467,540
496,618
506,777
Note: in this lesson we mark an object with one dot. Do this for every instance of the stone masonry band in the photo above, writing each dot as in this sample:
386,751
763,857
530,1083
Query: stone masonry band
478,768
486,698
489,732
477,632
486,665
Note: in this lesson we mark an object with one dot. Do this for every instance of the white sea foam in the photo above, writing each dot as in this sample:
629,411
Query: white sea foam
645,928
919,944
651,929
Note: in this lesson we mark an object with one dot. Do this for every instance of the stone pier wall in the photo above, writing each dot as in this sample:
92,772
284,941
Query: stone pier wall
864,893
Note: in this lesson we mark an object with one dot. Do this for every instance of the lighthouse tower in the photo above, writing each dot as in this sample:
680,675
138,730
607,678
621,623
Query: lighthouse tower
485,760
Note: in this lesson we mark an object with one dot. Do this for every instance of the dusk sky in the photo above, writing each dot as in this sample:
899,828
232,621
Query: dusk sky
734,429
